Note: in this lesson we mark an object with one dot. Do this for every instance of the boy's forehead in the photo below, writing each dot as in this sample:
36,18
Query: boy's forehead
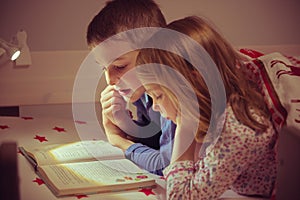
117,45
105,53
127,58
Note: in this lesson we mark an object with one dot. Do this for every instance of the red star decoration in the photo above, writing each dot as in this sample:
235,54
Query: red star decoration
80,122
40,138
38,181
147,191
27,118
58,129
81,196
4,126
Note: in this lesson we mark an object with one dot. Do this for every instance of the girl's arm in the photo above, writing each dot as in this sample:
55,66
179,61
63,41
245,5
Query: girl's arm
208,178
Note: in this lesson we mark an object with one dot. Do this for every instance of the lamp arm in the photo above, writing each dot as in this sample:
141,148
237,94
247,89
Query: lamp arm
6,44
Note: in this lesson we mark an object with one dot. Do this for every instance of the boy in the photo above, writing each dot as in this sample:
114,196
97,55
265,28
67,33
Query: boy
151,153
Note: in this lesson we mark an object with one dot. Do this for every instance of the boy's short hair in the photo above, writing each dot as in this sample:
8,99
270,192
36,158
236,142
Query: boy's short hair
122,15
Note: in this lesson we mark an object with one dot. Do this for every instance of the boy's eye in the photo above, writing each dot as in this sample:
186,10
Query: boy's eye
119,67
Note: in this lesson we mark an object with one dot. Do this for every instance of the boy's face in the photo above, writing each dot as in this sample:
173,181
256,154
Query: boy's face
114,74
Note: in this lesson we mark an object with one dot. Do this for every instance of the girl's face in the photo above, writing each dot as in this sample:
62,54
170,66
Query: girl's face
162,102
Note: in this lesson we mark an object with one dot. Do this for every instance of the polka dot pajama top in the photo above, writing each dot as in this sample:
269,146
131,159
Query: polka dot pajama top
241,160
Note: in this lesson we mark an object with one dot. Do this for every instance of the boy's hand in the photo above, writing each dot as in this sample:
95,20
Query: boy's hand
113,104
115,135
113,114
114,109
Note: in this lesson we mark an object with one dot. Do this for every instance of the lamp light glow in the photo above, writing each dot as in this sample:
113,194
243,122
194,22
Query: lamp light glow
17,51
15,55
12,50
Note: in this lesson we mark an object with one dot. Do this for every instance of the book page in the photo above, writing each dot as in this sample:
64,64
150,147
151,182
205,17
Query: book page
96,176
76,152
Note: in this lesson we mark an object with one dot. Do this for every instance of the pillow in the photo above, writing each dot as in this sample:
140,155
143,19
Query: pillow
278,78
251,53
284,76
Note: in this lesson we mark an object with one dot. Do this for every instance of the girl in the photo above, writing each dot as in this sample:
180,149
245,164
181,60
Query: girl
232,147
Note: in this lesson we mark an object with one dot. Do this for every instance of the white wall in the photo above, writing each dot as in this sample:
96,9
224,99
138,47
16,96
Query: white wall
56,36
244,22
49,80
61,24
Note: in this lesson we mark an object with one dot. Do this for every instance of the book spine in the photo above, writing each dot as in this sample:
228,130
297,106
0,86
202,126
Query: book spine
30,159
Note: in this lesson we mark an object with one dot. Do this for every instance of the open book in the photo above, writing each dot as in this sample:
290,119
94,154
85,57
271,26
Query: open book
86,167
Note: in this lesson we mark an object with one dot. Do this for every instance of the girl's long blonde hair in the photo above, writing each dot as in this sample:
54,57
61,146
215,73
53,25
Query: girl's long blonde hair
241,93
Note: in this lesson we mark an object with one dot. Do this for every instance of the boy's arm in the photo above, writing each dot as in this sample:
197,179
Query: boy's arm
151,159
120,128
115,135
113,114
112,105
